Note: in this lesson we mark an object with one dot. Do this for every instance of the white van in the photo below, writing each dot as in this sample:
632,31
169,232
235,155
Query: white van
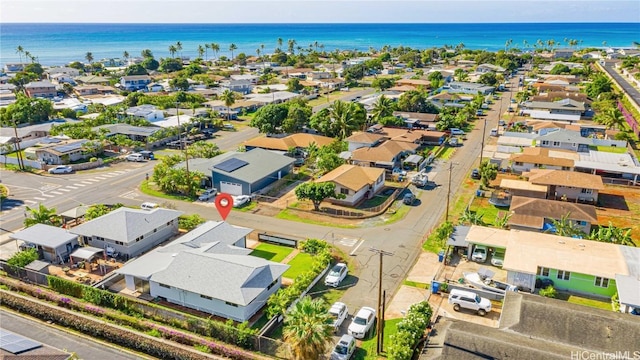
494,132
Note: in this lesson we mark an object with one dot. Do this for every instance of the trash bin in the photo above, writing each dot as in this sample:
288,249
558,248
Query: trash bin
478,193
441,256
435,287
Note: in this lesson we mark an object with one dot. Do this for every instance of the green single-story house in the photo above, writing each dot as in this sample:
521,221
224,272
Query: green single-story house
575,265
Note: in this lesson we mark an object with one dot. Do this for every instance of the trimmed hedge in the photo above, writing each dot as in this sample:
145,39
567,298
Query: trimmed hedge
410,330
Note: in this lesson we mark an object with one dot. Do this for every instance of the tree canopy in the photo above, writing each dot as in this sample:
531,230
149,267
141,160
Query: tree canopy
317,192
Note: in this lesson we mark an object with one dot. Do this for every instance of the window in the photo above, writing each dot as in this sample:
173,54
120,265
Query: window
602,282
231,304
119,243
587,191
556,143
545,142
206,297
566,168
344,191
164,286
272,284
581,223
543,271
563,275
518,163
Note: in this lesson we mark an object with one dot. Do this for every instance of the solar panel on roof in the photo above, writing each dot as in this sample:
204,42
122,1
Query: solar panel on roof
231,165
69,147
15,343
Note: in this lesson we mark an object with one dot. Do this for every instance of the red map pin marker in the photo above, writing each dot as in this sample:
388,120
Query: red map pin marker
224,203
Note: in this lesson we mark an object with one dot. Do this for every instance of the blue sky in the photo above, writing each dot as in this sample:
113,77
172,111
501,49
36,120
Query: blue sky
318,11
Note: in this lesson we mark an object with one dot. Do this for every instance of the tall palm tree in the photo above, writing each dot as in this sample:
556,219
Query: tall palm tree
215,48
89,57
42,215
179,48
229,98
232,47
279,43
173,50
20,51
307,328
146,53
382,109
206,51
200,51
125,55
346,117
611,118
291,44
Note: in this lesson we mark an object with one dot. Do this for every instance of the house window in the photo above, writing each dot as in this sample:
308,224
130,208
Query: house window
587,191
563,275
602,282
556,143
344,191
119,243
542,271
206,297
231,304
518,163
545,142
581,223
164,286
566,168
272,284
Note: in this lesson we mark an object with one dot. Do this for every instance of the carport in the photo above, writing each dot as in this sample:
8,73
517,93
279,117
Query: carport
412,162
87,254
486,236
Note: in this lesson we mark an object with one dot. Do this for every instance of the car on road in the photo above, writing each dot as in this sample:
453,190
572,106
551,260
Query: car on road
148,206
241,200
462,299
475,174
338,312
501,123
344,349
453,142
337,273
362,322
456,131
408,199
479,254
135,157
61,169
208,194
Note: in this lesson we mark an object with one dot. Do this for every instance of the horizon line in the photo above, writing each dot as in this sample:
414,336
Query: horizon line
321,23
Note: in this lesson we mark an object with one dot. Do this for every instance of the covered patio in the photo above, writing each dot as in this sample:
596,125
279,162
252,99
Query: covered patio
88,258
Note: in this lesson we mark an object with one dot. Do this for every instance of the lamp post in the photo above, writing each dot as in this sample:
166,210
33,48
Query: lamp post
380,312
183,148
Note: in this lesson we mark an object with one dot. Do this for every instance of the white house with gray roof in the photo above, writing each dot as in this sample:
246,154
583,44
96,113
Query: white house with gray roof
129,232
54,244
565,110
208,269
572,140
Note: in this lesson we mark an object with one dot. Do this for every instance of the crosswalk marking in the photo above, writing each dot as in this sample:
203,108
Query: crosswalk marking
86,182
31,201
70,187
56,192
101,178
39,198
65,190
47,195
348,242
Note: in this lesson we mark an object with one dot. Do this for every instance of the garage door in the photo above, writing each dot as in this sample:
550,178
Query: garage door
230,188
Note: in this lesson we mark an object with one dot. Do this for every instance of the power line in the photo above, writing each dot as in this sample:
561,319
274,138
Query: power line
380,312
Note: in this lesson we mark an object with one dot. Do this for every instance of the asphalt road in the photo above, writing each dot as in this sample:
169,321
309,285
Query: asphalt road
622,82
84,347
120,182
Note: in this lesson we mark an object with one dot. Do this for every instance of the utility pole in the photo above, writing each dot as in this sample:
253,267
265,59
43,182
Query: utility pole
380,312
446,216
183,147
484,132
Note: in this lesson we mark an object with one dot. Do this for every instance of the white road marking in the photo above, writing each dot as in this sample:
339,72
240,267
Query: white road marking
348,242
357,247
55,192
39,198
70,187
81,185
47,195
86,182
65,190
101,178
31,201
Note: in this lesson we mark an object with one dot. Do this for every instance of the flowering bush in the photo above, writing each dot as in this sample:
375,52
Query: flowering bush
410,330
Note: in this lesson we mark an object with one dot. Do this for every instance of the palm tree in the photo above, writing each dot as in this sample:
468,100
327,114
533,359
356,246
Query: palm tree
346,117
229,98
89,57
232,47
20,51
172,50
612,234
146,53
611,118
507,44
291,44
179,47
307,328
566,227
206,51
382,109
215,48
279,43
200,51
125,55
42,215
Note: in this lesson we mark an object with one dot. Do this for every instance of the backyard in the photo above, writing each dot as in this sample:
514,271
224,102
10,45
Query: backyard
620,205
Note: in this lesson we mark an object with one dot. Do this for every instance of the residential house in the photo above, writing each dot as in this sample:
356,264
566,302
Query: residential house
244,173
387,155
44,89
579,266
92,80
86,90
490,68
331,84
63,152
53,244
420,137
14,67
564,110
533,214
524,334
135,133
446,99
543,158
416,120
552,96
253,79
155,87
564,53
146,111
275,97
241,86
362,139
135,82
356,183
414,84
208,269
129,232
567,185
318,75
609,164
298,142
544,88
60,79
572,140
469,88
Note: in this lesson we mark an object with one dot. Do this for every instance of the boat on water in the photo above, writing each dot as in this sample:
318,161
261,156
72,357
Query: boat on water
483,279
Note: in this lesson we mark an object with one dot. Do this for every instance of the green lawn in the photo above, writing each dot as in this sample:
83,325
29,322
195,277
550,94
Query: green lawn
598,304
367,349
611,149
290,215
299,265
415,284
446,154
275,253
489,212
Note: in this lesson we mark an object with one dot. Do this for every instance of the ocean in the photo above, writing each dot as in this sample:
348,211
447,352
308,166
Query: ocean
58,44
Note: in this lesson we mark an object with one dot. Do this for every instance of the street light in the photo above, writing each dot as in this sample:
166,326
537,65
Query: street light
380,312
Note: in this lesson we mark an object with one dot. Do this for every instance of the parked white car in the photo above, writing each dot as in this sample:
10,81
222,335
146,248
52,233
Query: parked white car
456,131
362,322
61,169
469,300
339,313
479,254
241,200
344,349
135,157
337,273
497,259
148,206
208,194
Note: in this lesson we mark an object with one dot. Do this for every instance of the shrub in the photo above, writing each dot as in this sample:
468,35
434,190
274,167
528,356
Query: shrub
313,246
549,292
23,258
410,330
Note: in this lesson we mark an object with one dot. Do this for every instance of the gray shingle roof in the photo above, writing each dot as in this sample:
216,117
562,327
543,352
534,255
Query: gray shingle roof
44,235
567,136
125,224
262,163
233,278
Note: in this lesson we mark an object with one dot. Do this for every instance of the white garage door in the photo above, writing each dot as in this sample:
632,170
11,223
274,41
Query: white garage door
230,188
